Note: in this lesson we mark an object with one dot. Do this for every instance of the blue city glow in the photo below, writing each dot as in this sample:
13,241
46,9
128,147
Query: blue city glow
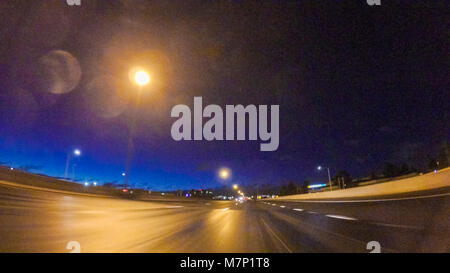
316,186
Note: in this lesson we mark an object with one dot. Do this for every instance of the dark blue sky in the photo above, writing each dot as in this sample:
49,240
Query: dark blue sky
357,86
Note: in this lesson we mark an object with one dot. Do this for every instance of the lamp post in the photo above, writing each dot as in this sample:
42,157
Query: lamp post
329,176
141,78
75,152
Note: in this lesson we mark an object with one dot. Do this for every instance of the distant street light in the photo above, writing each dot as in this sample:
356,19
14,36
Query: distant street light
75,152
141,78
319,168
224,173
235,186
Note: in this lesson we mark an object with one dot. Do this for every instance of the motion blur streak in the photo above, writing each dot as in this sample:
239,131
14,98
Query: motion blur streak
41,221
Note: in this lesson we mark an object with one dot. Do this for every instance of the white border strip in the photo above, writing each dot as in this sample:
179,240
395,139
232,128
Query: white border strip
341,217
366,200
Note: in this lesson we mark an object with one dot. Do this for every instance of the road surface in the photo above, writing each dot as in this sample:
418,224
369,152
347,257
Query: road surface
39,221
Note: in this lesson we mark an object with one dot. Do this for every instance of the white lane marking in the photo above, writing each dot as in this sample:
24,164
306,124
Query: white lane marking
276,236
273,204
173,207
225,209
341,217
396,226
312,212
298,209
369,200
375,223
282,206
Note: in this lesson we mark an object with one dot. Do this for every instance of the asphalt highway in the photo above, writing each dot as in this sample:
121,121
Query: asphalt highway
40,221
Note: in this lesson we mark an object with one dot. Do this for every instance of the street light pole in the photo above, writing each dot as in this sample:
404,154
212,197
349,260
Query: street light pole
73,171
130,148
67,166
329,178
141,78
76,152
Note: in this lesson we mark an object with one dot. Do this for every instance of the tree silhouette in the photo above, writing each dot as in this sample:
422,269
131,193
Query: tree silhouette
404,169
343,176
305,186
390,170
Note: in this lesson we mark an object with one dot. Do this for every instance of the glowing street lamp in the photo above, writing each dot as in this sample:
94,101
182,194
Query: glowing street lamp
224,173
235,186
141,78
76,152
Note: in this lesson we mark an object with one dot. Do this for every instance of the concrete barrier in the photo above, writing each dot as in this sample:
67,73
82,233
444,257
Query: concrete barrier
429,181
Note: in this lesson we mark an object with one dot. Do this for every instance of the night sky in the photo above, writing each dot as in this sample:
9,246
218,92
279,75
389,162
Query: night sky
357,86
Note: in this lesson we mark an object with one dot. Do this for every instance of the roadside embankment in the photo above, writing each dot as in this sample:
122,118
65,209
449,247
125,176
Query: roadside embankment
429,181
